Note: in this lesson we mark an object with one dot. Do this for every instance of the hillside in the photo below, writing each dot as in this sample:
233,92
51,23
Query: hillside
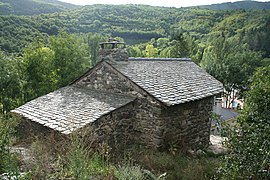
238,5
32,7
136,24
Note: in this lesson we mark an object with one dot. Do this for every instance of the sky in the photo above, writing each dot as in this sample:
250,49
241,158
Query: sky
167,3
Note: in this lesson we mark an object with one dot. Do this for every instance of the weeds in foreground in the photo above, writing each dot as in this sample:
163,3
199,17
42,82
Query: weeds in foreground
177,165
80,163
8,163
129,171
84,164
52,158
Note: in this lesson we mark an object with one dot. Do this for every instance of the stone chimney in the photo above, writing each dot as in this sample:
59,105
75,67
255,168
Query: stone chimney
112,51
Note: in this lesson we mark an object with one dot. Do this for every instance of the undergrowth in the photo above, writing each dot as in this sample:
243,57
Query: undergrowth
7,159
81,163
51,157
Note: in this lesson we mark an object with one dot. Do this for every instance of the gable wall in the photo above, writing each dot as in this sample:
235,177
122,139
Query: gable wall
188,125
146,110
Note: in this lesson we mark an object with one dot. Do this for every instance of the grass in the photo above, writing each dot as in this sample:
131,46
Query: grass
178,165
81,163
54,158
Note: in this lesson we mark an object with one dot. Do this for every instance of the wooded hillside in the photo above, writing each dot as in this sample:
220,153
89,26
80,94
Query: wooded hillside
238,5
137,23
32,7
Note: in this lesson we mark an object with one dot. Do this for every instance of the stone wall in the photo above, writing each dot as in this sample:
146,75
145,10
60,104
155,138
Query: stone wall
29,131
188,125
115,129
146,109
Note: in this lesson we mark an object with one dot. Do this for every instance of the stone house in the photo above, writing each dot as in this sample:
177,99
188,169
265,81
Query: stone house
154,102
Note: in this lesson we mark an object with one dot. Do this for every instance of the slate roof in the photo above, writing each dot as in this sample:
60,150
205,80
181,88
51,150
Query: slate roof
171,81
227,114
71,107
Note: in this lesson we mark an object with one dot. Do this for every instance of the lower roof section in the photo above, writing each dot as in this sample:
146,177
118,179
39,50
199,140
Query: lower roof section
72,107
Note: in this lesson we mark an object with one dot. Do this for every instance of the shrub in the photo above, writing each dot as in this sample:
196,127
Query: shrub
128,171
7,159
249,145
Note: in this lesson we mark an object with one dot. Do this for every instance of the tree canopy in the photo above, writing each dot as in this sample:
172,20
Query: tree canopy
249,157
42,67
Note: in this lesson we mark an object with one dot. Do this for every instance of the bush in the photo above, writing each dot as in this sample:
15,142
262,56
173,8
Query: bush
7,159
128,171
249,145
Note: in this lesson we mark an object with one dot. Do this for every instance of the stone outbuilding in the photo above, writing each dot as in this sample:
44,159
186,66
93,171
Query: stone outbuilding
154,102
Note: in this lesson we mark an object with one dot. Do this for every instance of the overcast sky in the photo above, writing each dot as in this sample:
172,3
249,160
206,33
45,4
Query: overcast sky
167,3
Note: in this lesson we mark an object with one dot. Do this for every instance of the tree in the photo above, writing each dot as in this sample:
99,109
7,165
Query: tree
134,51
166,53
180,47
93,44
71,57
39,70
10,82
151,51
162,43
249,156
231,62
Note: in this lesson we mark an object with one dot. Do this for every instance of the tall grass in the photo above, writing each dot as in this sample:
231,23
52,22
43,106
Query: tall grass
84,164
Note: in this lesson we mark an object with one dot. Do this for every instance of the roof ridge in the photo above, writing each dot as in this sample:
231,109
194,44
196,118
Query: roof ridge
158,59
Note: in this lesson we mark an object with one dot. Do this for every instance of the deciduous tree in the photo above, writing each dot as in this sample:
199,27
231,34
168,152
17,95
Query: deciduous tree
249,156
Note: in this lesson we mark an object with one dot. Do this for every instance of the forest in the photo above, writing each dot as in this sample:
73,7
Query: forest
40,47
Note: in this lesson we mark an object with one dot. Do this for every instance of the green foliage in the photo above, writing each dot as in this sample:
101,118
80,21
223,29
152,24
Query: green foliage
31,7
71,57
180,47
151,51
139,24
43,66
246,4
93,41
134,51
40,74
10,83
249,157
128,171
7,159
230,62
